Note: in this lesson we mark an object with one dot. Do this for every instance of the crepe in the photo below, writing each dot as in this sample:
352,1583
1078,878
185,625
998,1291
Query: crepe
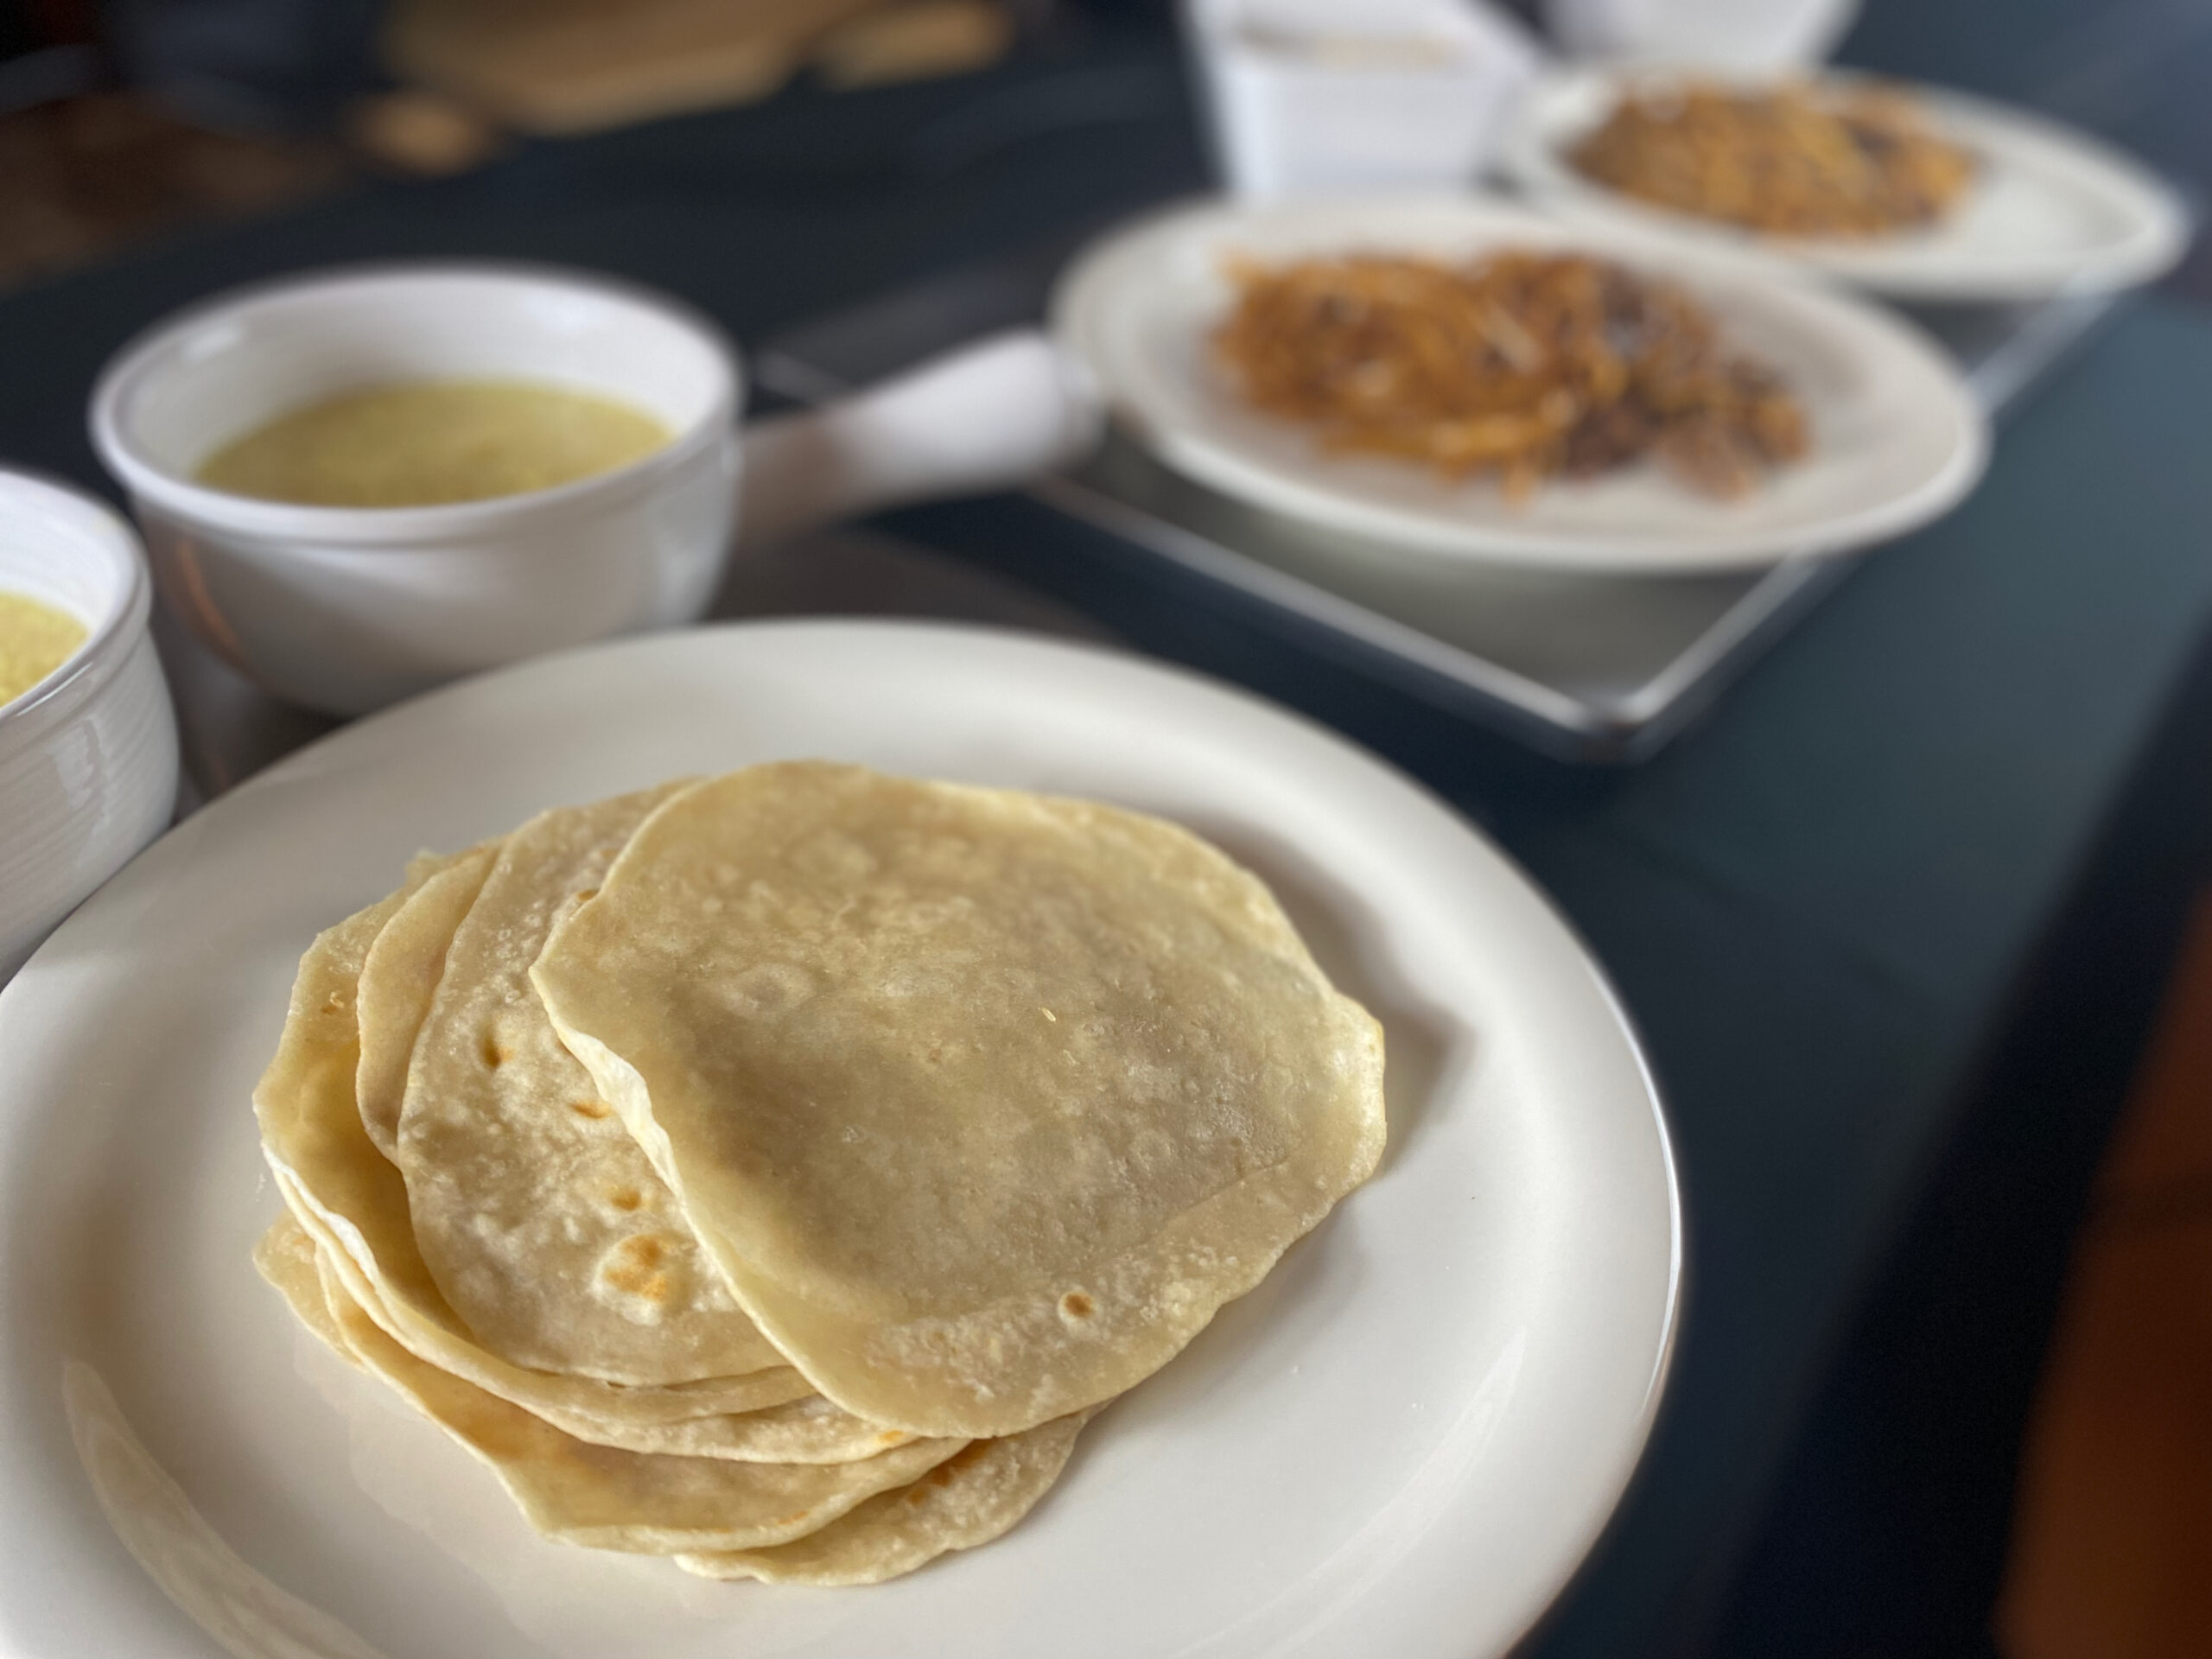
399,975
286,1255
808,1429
351,1199
543,1224
585,1494
776,1174
983,1101
968,1499
971,1498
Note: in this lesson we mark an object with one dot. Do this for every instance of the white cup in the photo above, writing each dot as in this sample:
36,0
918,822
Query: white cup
1314,96
346,609
88,756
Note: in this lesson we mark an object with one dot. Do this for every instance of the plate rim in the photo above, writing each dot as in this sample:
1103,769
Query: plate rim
302,764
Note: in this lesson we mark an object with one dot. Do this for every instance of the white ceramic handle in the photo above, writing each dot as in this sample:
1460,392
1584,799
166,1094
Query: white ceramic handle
986,417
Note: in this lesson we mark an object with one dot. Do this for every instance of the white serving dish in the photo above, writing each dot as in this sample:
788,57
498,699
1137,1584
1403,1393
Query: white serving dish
2053,210
1401,1443
1897,437
88,757
347,609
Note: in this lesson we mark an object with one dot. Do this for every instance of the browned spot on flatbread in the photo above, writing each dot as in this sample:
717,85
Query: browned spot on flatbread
626,1197
1077,1305
494,1056
591,1108
637,1271
943,1474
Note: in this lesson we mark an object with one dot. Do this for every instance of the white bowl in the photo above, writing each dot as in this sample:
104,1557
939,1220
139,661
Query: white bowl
88,755
346,609
1310,97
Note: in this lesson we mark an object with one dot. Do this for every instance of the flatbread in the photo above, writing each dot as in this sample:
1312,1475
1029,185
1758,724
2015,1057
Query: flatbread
809,1429
969,1499
352,1199
770,1416
399,975
544,1227
603,1497
984,1102
285,1256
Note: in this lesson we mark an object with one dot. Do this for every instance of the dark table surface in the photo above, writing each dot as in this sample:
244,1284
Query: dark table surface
1815,904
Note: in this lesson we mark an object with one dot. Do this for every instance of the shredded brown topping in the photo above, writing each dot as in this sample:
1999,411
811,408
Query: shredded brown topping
1798,161
1520,364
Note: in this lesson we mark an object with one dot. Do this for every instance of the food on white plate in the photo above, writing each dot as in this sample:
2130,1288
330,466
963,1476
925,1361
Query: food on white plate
1525,365
547,1231
968,1499
777,1172
1797,160
983,1101
634,1502
353,1202
425,443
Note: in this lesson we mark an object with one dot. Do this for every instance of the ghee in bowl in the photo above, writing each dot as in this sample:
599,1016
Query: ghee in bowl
35,638
88,749
428,442
346,608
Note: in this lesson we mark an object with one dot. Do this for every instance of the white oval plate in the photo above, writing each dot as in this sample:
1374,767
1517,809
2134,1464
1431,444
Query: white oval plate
1402,1443
1896,437
2053,210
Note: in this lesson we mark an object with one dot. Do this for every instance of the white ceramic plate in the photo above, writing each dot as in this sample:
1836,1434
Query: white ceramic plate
1402,1443
1898,438
2053,210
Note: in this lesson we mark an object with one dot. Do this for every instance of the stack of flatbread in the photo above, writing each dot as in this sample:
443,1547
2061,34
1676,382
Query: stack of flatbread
776,1172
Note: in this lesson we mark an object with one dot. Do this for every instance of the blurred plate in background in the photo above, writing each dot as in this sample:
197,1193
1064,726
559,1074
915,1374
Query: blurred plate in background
1897,439
2051,210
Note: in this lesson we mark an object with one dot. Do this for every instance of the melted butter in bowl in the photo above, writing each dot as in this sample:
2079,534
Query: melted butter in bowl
425,443
35,638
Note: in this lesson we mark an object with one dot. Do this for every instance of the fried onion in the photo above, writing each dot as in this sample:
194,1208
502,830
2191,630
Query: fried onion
1523,364
1798,161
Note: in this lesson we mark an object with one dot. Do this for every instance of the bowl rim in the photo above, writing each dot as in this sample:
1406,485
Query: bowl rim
332,527
108,639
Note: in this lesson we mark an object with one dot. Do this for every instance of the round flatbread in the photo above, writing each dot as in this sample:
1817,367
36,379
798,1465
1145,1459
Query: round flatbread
353,1200
984,1102
595,1495
399,976
969,1499
544,1227
806,1429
